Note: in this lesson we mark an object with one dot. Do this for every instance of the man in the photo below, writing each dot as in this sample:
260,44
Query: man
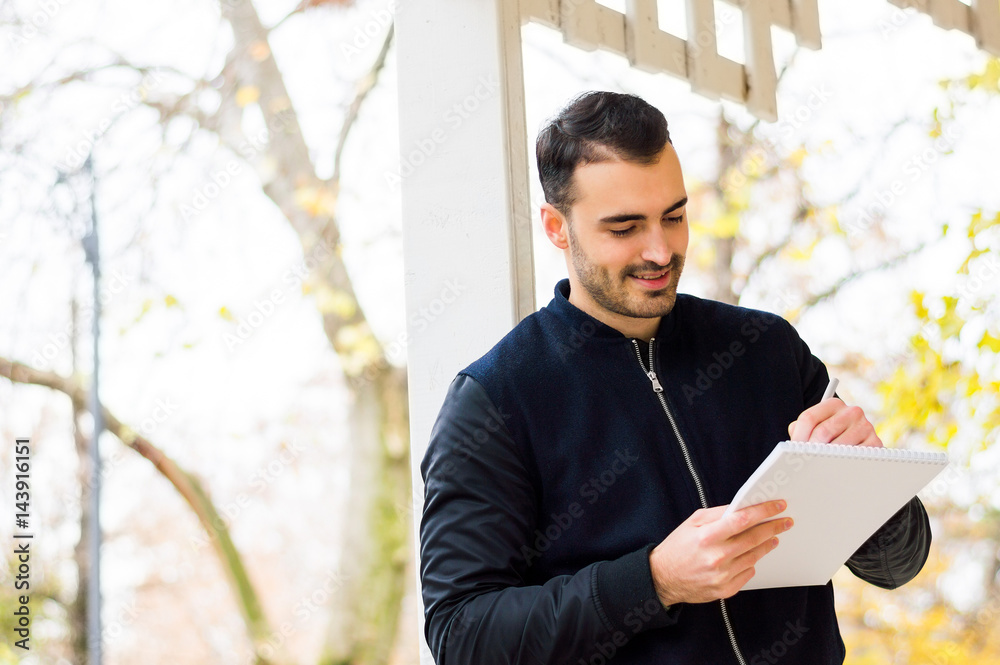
577,474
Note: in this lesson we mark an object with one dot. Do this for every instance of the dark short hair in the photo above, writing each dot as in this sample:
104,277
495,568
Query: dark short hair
594,127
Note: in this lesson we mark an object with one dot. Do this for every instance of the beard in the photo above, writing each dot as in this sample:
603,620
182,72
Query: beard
614,292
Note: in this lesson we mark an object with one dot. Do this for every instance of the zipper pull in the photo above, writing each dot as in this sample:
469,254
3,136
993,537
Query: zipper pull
657,388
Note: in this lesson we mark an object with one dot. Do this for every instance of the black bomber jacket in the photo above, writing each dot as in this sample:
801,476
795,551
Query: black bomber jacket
553,469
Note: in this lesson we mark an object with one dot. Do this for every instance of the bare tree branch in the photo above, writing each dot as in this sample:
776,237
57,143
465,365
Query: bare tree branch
365,86
891,263
189,487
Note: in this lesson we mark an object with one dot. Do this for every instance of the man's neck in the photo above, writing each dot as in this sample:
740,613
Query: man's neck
642,329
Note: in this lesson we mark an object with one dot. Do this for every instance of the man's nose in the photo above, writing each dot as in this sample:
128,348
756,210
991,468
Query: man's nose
657,247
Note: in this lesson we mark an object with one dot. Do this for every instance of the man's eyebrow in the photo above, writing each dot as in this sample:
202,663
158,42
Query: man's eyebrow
628,217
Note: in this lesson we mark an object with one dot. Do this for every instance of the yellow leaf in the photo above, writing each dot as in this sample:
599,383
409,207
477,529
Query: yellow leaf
279,105
950,322
226,314
259,50
316,200
170,301
247,94
357,348
335,301
978,224
964,269
990,342
797,157
724,226
146,305
800,253
917,298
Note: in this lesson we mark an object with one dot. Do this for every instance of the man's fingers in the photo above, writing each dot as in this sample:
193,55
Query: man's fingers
761,533
745,518
856,433
803,427
872,440
705,516
750,558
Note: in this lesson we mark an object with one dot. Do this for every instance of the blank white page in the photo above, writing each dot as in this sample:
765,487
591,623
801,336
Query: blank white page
838,496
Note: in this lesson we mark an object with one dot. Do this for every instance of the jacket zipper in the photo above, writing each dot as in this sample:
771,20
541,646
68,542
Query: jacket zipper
658,389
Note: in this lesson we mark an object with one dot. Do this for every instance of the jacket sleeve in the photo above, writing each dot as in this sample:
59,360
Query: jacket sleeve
894,554
478,523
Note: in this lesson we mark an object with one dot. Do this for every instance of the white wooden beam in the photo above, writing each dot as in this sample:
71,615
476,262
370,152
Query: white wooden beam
702,48
920,5
950,15
731,80
467,255
986,25
611,28
545,12
578,19
648,48
762,81
805,23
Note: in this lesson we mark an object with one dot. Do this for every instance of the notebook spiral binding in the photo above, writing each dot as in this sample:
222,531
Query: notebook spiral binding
841,450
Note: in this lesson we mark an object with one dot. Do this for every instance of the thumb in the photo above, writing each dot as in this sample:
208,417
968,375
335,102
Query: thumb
791,426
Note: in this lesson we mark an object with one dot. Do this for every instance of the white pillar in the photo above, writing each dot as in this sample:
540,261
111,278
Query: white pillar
464,179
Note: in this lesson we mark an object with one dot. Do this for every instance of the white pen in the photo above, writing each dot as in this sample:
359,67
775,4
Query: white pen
830,389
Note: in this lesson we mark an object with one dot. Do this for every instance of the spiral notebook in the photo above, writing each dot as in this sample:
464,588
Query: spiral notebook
838,496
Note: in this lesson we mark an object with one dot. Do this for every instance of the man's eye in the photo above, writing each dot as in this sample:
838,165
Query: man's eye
623,233
675,220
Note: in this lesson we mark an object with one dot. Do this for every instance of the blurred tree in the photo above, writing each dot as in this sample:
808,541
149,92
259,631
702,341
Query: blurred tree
366,615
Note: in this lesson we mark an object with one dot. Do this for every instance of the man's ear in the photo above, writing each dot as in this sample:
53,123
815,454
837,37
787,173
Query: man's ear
555,225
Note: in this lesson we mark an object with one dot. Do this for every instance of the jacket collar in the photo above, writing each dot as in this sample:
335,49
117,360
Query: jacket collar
588,326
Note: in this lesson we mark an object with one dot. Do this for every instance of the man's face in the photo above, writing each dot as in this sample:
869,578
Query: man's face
629,222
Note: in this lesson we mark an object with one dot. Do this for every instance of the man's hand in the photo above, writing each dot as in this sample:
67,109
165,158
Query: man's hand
832,421
710,556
